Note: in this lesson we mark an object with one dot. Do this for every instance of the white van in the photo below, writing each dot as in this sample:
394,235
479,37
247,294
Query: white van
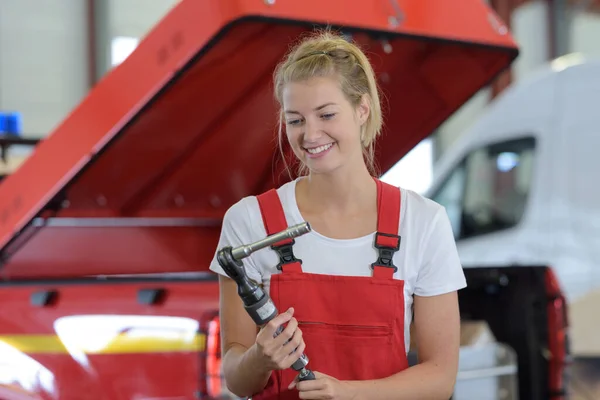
520,187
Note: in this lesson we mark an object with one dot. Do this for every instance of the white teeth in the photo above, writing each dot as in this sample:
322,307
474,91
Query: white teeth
319,149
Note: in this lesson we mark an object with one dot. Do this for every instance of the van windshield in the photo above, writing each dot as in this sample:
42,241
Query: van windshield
487,191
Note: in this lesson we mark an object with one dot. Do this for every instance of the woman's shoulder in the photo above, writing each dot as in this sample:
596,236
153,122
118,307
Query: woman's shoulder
243,218
437,268
245,215
425,218
417,206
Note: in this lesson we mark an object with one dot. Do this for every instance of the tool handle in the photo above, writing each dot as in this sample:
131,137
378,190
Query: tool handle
278,331
302,361
244,251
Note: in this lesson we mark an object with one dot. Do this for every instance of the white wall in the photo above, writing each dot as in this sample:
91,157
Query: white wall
44,55
585,34
43,63
136,17
529,25
130,19
44,52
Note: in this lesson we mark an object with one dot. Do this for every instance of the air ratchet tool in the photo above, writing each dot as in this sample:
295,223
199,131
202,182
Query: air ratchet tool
256,301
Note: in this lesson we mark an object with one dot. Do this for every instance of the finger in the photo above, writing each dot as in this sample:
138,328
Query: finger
320,375
290,359
288,333
312,385
295,354
292,352
279,320
313,395
291,337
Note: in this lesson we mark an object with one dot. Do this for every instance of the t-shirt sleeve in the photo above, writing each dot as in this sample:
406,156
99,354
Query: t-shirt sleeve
236,231
440,270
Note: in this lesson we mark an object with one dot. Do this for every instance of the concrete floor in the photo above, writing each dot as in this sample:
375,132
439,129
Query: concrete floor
585,383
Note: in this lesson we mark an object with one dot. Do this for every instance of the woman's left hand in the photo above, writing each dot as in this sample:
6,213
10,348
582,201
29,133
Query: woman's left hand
324,387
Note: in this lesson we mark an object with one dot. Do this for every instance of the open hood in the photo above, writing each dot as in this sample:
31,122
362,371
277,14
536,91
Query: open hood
137,177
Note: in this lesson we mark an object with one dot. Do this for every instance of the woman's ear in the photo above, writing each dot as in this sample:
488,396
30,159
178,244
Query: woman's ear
363,109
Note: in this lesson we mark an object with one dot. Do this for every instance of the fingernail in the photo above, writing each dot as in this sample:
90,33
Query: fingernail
290,310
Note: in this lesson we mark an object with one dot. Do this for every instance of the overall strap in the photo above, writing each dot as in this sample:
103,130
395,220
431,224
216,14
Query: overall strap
274,221
387,240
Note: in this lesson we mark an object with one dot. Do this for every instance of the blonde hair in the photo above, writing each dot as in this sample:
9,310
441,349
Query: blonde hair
326,54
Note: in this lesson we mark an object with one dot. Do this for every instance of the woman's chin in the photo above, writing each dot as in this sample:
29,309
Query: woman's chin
322,167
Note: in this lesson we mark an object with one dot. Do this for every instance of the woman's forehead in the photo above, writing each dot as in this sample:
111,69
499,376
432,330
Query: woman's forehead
311,94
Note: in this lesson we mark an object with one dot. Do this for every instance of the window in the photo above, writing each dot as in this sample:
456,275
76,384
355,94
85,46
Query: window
487,191
120,48
450,196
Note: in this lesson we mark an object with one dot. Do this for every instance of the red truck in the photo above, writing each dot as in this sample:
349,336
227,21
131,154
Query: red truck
107,230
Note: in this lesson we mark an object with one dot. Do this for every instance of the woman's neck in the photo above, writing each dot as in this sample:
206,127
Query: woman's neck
344,191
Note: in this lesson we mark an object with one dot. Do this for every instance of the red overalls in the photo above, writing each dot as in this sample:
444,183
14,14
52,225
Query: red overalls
353,326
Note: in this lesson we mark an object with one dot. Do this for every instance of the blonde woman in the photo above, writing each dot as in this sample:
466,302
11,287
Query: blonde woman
375,255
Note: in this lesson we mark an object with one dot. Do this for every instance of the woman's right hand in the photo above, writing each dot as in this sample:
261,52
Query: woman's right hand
281,351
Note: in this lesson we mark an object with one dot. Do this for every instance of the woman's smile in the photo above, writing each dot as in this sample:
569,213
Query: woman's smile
319,151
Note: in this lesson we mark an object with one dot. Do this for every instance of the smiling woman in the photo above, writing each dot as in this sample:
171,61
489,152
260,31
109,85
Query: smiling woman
325,79
375,254
321,124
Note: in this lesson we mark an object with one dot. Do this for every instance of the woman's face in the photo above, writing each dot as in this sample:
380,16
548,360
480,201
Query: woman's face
322,126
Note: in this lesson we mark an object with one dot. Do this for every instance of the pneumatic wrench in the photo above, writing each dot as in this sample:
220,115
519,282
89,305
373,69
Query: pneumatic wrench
256,301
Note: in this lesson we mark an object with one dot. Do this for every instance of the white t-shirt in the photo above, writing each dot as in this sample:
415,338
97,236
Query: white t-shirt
427,261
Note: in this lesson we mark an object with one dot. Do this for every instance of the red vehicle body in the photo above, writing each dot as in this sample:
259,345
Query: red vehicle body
107,230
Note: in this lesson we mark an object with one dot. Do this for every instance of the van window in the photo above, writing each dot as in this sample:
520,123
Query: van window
487,191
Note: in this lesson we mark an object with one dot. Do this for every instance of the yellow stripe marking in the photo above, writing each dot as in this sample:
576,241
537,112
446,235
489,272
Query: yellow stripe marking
120,344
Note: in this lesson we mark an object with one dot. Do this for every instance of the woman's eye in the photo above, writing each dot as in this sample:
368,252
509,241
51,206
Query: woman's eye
328,116
293,122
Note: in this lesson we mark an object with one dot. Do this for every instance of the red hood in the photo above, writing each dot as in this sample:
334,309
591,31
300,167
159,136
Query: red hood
185,127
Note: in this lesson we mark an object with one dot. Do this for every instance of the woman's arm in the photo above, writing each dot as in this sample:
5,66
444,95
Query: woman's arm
250,355
437,321
243,370
437,333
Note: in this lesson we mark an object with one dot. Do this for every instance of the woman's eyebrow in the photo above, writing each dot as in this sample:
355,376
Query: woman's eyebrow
316,108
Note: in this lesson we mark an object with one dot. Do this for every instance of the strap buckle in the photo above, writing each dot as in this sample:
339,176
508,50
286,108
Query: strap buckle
286,254
386,251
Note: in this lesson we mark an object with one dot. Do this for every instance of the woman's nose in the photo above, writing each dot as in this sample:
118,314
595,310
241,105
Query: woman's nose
312,131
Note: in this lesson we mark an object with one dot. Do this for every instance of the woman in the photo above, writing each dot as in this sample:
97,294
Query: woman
345,301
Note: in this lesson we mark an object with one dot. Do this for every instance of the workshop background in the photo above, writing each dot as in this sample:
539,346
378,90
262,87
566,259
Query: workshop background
53,52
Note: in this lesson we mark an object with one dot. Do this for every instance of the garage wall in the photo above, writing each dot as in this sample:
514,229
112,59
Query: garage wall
125,20
44,47
585,34
43,64
136,17
529,25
